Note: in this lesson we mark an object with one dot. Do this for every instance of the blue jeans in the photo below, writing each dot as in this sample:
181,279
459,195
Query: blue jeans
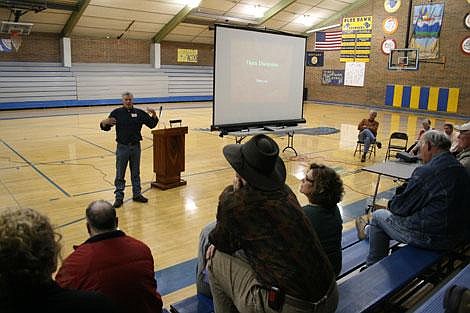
367,137
382,228
125,154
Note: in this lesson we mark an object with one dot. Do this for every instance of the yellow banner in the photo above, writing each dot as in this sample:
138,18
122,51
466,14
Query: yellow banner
356,39
354,52
187,55
358,24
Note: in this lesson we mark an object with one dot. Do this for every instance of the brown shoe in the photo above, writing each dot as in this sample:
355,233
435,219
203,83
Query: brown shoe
361,224
363,158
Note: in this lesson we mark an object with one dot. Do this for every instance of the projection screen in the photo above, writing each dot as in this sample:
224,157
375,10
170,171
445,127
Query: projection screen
258,78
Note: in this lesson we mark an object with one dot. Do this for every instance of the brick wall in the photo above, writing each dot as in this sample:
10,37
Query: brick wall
45,47
37,47
454,73
125,51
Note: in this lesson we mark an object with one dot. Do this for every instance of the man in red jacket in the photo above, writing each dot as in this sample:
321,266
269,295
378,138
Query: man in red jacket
112,263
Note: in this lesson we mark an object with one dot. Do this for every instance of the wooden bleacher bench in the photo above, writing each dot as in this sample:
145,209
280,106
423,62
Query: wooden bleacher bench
349,238
435,303
203,304
364,291
195,304
354,256
372,286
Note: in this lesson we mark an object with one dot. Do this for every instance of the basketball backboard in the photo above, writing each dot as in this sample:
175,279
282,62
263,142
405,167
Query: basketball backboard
15,27
403,59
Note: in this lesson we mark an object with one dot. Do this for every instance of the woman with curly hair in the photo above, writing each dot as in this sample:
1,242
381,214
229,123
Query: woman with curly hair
324,189
28,256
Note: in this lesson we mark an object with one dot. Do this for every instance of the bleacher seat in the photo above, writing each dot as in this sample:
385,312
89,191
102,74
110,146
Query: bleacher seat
195,304
372,286
349,238
44,85
435,303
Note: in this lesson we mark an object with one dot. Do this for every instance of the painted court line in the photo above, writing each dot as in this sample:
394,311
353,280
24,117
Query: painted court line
93,144
35,168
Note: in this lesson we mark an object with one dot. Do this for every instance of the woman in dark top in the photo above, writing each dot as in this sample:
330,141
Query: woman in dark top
324,189
28,256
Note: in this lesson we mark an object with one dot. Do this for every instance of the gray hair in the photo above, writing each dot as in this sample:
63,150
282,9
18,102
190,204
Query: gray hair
373,111
437,139
127,94
101,215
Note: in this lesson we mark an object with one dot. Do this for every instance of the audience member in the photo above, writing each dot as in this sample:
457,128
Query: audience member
368,133
265,254
28,257
464,145
202,280
112,263
414,148
430,211
452,136
324,190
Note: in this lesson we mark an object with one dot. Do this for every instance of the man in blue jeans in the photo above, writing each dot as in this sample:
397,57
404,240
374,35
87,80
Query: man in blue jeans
368,133
128,121
430,211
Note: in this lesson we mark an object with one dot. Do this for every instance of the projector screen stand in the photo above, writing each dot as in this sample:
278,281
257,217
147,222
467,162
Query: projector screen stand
290,142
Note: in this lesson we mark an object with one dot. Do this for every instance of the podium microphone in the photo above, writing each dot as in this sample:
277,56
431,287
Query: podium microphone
160,112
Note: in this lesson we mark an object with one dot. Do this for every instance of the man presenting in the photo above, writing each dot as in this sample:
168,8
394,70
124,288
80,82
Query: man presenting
128,121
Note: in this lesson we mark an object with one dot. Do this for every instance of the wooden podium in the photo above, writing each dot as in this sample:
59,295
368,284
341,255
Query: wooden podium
168,157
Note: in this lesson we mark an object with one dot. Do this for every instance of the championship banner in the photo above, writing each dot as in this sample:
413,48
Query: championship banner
356,39
426,29
314,58
6,45
187,55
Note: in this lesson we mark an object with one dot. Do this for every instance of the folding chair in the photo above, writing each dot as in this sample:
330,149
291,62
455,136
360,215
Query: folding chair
398,142
360,148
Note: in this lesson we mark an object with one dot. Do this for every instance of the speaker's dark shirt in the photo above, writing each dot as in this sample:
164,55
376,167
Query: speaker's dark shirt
129,124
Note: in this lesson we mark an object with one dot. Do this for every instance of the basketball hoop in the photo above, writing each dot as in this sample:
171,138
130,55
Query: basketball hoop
16,40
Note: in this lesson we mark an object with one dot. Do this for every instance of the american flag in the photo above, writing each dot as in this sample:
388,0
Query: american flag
325,41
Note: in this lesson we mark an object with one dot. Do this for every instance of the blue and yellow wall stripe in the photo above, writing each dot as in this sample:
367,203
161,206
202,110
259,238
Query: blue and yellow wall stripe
439,99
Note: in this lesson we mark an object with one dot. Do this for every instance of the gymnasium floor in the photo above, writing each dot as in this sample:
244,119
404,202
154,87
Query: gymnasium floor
58,160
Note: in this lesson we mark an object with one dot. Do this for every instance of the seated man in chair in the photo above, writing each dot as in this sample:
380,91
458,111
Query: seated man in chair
368,133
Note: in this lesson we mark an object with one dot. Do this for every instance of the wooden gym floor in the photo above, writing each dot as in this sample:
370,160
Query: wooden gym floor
58,160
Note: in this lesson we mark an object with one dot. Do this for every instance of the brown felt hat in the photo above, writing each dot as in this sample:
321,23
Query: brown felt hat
258,162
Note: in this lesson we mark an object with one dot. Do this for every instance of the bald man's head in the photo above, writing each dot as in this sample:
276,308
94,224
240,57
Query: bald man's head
101,216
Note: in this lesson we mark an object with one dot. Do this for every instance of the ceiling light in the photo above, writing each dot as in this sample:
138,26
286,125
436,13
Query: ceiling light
306,20
193,3
257,11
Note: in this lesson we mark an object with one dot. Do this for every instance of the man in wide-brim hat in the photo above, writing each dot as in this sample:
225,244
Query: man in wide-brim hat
265,254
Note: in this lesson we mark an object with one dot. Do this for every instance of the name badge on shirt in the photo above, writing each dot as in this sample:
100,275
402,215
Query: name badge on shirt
134,114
